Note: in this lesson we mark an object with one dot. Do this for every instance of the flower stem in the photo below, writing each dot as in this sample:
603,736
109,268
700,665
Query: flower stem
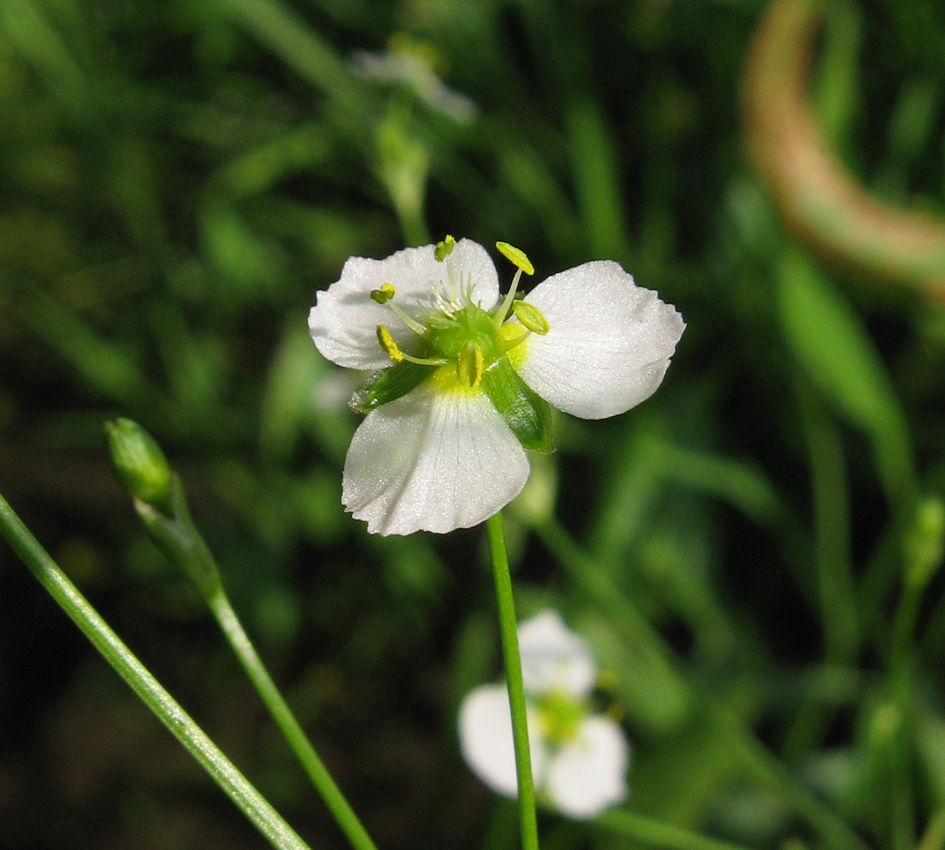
256,808
177,537
513,675
291,730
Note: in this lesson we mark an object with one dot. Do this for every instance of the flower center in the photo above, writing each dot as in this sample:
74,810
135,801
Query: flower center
454,328
559,716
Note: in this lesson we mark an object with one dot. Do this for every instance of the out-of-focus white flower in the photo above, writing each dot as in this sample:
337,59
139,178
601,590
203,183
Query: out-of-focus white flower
463,380
413,65
579,759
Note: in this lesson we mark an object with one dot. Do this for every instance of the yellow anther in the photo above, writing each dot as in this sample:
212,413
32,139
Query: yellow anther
383,295
470,364
530,316
444,249
387,343
516,257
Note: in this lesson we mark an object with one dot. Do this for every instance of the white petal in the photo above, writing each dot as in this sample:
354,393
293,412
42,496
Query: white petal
609,342
344,320
588,774
485,738
554,658
432,460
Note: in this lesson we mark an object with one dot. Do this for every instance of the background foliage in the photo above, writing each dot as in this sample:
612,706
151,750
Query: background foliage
746,551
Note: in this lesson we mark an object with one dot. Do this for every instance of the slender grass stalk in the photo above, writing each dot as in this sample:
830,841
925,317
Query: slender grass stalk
513,675
654,833
922,549
291,730
256,808
768,769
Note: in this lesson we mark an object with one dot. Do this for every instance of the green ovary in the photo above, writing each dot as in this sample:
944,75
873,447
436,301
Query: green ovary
473,325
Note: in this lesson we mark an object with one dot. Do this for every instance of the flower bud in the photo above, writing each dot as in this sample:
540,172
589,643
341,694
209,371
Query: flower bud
139,463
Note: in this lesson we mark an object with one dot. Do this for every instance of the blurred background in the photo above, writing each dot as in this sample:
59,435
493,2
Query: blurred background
752,552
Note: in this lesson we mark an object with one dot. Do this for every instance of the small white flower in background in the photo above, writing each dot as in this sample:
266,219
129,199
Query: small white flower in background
462,380
413,64
579,759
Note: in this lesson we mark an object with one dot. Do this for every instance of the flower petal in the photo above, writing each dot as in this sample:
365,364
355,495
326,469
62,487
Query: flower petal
609,342
344,320
485,738
553,657
588,774
433,460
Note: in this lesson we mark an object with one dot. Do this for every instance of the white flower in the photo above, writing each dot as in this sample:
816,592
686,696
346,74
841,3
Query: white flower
463,379
579,760
411,65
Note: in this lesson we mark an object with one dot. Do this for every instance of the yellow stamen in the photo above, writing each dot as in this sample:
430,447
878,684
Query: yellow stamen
512,334
444,249
516,257
470,364
502,313
384,294
392,350
530,316
387,343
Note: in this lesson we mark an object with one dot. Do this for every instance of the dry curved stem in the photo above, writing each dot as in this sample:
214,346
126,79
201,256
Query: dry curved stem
817,197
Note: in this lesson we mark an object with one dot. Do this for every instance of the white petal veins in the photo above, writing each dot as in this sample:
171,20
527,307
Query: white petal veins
609,342
587,775
434,460
343,323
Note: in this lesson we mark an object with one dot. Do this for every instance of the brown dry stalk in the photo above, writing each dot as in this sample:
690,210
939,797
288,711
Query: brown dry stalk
817,197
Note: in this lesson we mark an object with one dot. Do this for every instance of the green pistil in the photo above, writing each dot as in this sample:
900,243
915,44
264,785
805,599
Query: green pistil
471,325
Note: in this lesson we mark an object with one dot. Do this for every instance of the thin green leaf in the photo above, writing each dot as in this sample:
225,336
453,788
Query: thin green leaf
835,350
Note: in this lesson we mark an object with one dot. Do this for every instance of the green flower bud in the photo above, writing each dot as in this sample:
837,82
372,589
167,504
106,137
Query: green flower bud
139,463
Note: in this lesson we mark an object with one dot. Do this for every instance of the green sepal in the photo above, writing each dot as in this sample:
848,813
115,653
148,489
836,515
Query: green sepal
388,385
528,415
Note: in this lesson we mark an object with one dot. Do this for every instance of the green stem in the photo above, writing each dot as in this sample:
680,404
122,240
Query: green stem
654,833
513,675
288,725
901,673
256,808
178,538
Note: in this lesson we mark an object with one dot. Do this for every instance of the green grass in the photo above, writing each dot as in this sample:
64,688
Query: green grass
750,551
